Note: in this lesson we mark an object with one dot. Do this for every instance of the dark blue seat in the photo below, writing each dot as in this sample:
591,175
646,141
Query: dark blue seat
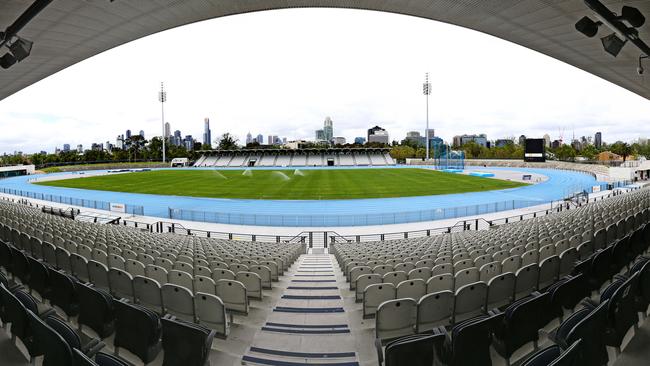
587,325
184,343
138,330
411,350
468,344
521,323
96,310
53,346
553,356
64,292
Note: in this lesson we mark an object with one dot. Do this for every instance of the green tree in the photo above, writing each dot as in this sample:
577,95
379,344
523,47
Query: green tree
621,148
135,144
565,152
227,142
402,152
589,152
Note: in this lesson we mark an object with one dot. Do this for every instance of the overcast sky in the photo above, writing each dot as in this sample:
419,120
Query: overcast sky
282,72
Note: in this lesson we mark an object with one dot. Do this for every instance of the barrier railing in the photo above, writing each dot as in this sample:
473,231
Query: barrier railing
98,205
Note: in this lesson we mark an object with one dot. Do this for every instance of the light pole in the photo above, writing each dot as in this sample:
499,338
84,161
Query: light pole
426,90
162,97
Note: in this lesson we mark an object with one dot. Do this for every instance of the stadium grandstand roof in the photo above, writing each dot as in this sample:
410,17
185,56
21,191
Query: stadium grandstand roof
69,31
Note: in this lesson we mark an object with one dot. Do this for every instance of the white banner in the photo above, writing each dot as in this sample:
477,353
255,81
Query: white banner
118,207
595,189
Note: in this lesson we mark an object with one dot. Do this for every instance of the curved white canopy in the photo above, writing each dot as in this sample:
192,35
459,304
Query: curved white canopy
69,31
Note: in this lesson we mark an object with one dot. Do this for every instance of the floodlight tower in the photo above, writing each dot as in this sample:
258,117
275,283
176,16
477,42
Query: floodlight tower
162,98
426,90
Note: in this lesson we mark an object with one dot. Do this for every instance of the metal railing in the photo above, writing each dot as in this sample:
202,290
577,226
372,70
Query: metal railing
98,205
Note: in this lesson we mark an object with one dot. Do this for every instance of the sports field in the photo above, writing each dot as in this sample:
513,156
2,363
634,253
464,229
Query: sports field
289,184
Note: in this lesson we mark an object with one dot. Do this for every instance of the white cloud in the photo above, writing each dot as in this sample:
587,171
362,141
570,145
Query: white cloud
282,72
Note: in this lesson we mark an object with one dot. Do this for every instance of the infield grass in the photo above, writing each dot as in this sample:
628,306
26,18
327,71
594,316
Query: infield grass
289,184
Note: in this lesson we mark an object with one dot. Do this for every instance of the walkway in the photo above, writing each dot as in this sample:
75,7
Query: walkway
308,324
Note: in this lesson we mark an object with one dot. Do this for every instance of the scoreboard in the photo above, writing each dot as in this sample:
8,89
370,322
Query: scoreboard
534,151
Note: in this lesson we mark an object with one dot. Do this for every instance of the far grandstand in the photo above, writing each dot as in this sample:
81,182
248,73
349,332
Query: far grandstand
295,157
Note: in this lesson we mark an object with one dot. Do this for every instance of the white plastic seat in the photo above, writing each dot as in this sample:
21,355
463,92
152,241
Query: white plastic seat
222,274
395,318
511,264
489,271
375,295
100,256
205,285
529,257
364,281
178,301
465,277
549,270
413,289
469,301
568,259
394,277
357,271
433,310
462,265
185,267
120,283
441,282
63,260
79,267
210,312
444,268
147,293
157,273
181,278
116,261
423,273
164,263
527,279
265,274
545,252
233,294
135,267
501,290
383,269
405,267
98,274
253,283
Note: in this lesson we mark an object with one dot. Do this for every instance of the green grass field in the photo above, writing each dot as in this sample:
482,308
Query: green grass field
289,184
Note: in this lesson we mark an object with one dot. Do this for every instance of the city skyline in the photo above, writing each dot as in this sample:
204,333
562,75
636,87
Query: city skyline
297,88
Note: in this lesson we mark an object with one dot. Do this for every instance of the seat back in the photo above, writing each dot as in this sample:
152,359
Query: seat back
233,294
501,290
433,310
138,330
96,310
64,292
415,350
375,295
185,343
211,313
470,300
395,318
120,283
52,345
413,289
178,301
147,292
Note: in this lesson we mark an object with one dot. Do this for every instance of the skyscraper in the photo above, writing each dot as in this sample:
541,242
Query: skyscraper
207,134
177,140
66,147
249,138
142,133
378,134
320,135
598,140
522,140
547,140
168,128
128,134
260,139
328,129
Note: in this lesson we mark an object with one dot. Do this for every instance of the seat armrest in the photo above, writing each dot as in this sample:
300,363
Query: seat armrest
92,350
47,313
380,353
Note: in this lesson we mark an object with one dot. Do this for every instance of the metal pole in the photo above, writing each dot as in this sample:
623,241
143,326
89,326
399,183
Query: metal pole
163,98
426,89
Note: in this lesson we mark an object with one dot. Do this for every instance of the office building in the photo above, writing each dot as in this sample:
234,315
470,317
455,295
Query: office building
249,138
168,128
503,142
328,129
378,134
480,140
414,138
547,140
66,147
128,134
320,135
359,140
141,133
598,140
260,139
80,148
207,133
522,140
338,140
189,143
273,140
177,140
